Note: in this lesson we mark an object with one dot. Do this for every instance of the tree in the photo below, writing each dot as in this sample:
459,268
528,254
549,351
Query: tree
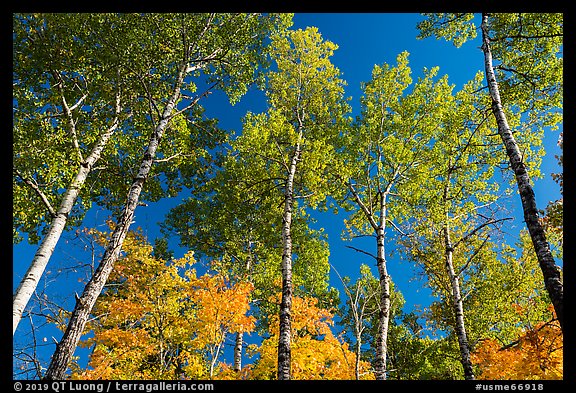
215,44
506,281
553,215
359,310
536,354
83,94
316,352
360,315
158,320
458,206
234,222
288,149
66,103
384,152
527,84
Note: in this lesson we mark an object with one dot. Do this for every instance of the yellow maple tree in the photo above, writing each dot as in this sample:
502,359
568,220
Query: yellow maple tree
158,320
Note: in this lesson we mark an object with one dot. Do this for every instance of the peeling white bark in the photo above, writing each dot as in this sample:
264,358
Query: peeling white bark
38,265
66,347
551,272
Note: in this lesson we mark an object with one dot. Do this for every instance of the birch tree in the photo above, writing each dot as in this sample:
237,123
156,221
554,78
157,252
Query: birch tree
386,151
225,47
233,221
80,103
289,149
459,206
523,69
67,107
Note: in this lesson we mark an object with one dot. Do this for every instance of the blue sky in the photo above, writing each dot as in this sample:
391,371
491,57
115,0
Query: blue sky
364,40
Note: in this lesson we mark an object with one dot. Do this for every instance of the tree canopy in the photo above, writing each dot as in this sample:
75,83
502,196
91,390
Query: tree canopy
328,237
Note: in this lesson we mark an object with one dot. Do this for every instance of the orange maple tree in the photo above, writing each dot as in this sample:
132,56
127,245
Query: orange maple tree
316,352
537,354
158,320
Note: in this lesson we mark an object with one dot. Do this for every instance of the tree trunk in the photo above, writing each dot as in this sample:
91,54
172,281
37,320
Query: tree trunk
551,272
384,312
457,306
358,353
284,353
238,351
458,309
38,265
66,347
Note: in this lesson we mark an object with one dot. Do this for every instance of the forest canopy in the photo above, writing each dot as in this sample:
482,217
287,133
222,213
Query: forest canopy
223,196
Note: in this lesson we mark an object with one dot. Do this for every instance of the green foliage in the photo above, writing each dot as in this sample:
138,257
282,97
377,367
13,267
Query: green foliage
137,57
455,27
527,53
390,142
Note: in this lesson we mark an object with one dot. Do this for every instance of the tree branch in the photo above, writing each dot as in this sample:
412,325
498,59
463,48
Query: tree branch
472,257
528,37
363,252
194,102
68,111
489,222
37,189
362,205
396,227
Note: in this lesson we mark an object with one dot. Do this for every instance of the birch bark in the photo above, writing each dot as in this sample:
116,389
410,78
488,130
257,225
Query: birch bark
457,306
384,279
284,352
66,347
384,312
42,257
551,272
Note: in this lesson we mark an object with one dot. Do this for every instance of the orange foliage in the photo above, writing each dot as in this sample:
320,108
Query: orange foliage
315,352
221,308
160,321
538,354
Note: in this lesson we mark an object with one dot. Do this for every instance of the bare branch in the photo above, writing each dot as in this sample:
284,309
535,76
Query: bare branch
68,112
396,227
472,256
194,102
489,222
362,205
363,252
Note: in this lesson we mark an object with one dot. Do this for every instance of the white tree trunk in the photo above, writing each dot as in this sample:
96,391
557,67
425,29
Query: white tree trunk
551,272
238,351
38,265
284,339
457,306
384,312
66,347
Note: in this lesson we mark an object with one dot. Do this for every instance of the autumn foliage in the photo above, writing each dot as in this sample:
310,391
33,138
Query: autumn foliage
316,352
537,354
158,320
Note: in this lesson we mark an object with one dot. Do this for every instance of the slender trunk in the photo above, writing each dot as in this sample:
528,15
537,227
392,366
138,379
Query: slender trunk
384,312
358,352
551,272
240,335
38,265
215,356
458,310
238,351
284,353
457,306
66,347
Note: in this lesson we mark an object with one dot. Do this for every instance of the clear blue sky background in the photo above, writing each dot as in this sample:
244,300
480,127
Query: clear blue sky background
364,40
